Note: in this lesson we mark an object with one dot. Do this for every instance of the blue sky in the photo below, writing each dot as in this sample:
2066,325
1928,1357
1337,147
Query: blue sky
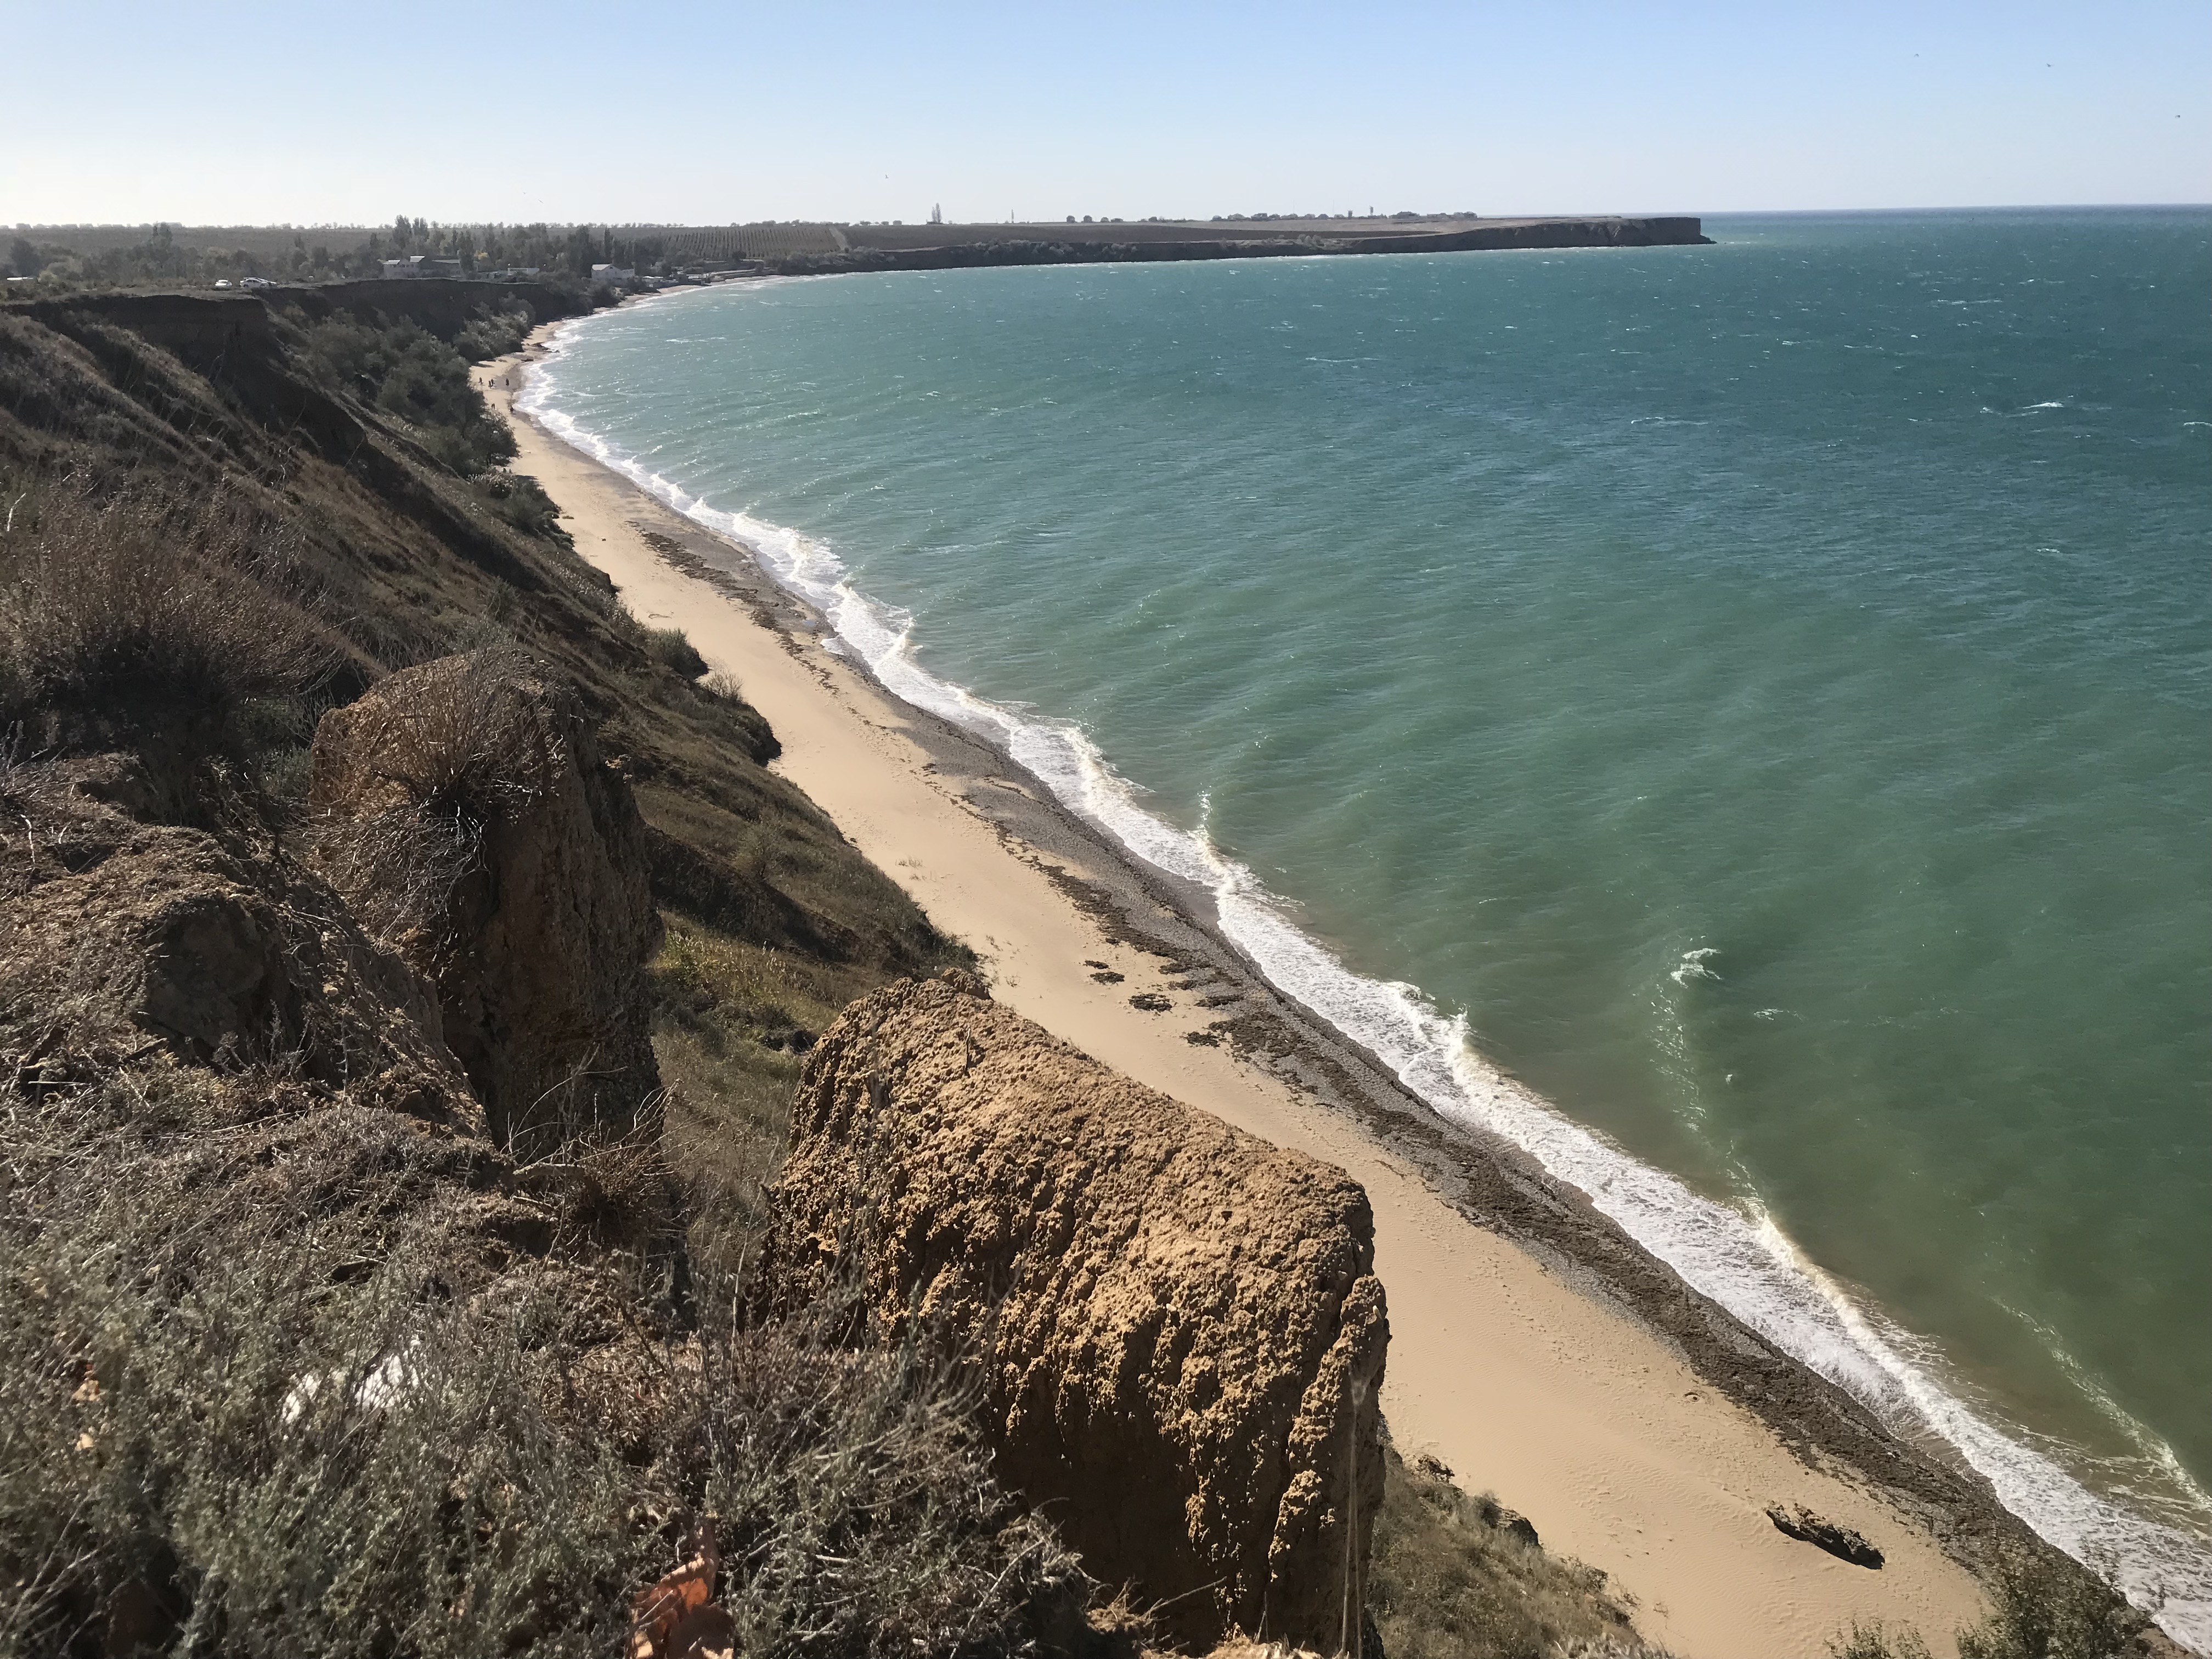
217,113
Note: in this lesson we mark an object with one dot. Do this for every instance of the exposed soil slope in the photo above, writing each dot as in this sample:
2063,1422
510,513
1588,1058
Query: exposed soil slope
1168,1311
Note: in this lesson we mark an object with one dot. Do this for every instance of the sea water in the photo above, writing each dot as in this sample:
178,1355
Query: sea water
1734,717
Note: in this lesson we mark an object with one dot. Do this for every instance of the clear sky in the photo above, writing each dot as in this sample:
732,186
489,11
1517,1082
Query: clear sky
239,112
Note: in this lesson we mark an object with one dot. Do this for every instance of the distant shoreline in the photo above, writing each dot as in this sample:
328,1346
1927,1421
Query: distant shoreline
635,257
954,247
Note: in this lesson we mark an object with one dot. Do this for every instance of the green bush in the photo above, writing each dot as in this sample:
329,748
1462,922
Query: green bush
2036,1613
1878,1641
407,371
673,649
494,334
520,500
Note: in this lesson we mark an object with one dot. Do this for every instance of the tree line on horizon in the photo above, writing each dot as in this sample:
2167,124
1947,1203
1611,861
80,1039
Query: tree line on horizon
93,257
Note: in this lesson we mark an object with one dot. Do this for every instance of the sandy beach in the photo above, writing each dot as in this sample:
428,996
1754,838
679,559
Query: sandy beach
1527,1374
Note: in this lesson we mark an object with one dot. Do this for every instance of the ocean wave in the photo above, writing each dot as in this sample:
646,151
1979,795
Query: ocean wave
1736,1256
1693,965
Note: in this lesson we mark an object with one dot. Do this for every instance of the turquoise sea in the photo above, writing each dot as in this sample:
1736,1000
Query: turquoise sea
1735,718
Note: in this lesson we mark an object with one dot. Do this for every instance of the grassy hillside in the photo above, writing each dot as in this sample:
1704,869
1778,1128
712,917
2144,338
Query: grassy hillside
226,1271
350,440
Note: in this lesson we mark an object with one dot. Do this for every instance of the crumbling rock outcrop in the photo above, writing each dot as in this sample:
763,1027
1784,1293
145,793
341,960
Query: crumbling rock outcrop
125,940
463,809
1182,1338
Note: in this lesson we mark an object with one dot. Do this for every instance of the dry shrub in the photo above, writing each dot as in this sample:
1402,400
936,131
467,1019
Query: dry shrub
673,649
155,598
855,1504
446,764
617,1193
464,744
2039,1609
398,869
1450,1578
274,1407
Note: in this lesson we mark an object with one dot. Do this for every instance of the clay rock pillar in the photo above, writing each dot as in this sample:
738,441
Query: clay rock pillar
1182,1330
464,810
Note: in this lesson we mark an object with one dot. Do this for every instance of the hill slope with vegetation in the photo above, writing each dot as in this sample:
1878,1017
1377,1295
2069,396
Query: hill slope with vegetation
249,1205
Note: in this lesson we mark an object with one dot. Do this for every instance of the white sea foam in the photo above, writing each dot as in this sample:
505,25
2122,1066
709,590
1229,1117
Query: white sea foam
1693,965
1736,1254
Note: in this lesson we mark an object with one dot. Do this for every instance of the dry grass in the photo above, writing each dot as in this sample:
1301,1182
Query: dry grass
733,1025
152,599
1451,1579
268,1405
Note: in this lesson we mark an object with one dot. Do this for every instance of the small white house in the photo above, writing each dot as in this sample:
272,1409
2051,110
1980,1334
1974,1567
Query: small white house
612,274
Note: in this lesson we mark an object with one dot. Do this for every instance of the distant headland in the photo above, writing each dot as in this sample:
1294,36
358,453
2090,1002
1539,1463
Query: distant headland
938,246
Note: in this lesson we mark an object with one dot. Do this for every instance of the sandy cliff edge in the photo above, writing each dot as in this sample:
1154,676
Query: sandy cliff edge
1520,1367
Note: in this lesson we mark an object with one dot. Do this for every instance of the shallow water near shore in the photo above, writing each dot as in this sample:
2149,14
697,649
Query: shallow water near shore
1756,693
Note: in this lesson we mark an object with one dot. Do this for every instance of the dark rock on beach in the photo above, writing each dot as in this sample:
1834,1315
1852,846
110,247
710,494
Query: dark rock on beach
1840,1542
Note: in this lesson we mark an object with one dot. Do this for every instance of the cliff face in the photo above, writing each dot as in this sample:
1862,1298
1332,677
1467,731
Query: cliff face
465,802
128,941
1181,1335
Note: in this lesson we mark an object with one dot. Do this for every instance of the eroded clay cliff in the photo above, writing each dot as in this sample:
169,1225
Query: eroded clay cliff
127,940
464,807
1181,1333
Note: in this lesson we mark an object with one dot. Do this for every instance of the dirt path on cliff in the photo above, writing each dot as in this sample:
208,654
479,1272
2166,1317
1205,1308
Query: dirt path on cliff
1568,1408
